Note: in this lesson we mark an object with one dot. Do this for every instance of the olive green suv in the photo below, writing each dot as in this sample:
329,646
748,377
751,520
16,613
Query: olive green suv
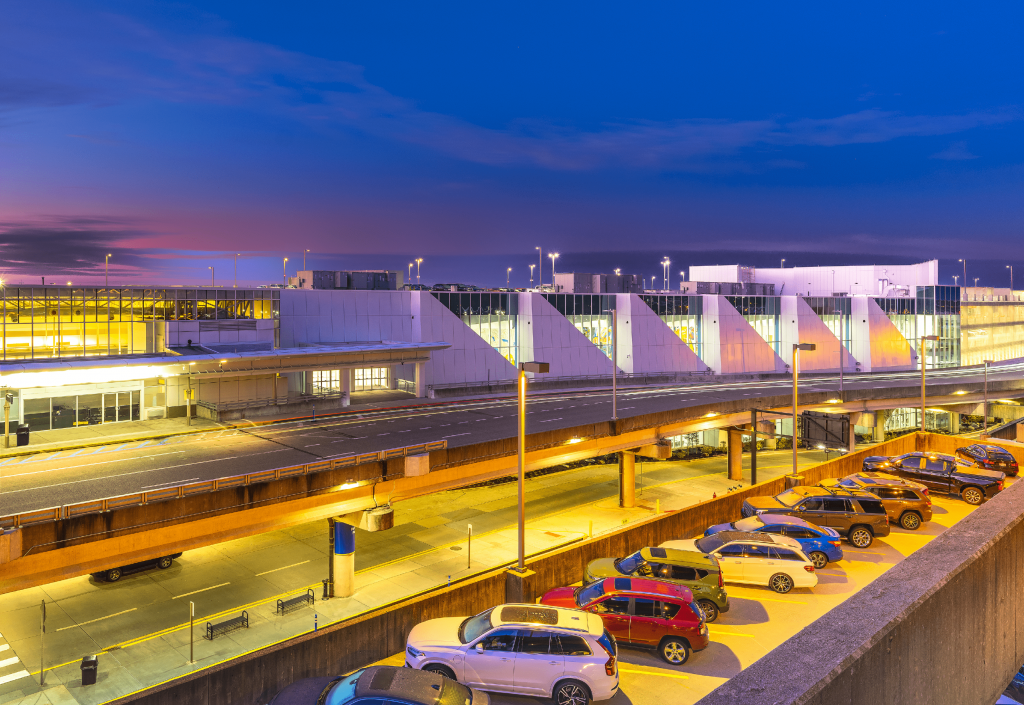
906,502
698,571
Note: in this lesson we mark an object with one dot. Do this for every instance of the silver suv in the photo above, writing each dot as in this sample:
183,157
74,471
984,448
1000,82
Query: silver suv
548,652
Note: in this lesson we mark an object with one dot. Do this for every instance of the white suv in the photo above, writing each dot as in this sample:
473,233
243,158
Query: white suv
538,650
755,558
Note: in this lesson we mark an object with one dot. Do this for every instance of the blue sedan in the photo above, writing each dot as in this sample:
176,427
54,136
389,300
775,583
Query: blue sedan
821,544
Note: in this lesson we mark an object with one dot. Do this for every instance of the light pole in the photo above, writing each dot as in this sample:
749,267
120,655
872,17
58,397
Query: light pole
540,266
531,275
956,280
553,256
419,261
782,264
304,260
976,282
235,285
508,274
213,281
615,364
797,347
409,278
106,270
922,356
284,270
965,270
664,265
1010,267
536,368
985,408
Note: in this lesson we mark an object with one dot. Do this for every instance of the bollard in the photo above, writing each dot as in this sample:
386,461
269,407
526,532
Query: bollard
449,581
191,632
314,413
314,621
327,592
469,548
657,506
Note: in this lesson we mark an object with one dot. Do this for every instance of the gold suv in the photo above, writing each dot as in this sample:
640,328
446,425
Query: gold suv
906,503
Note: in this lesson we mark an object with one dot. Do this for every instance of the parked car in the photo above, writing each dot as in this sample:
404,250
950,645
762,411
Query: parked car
989,457
944,473
697,571
820,544
855,514
377,684
548,652
646,613
906,502
755,558
112,575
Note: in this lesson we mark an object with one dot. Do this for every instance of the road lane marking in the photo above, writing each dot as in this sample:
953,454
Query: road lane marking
172,482
655,673
550,420
87,465
286,567
98,619
456,435
311,445
212,587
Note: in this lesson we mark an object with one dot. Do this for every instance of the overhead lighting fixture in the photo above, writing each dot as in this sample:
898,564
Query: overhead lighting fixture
833,401
574,440
348,486
710,414
60,378
960,392
1011,402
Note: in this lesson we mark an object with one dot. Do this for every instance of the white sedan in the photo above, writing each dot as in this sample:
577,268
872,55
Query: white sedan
755,559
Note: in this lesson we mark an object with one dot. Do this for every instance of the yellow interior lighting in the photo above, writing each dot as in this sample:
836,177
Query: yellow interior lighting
59,378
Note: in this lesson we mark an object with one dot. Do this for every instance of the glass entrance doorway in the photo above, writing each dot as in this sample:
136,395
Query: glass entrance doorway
372,378
52,413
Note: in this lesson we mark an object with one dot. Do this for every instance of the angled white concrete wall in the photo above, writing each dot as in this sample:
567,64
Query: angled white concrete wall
325,316
646,343
731,345
548,336
469,359
877,343
800,324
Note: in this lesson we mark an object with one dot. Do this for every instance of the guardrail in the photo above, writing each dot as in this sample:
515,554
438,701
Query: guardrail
642,377
98,506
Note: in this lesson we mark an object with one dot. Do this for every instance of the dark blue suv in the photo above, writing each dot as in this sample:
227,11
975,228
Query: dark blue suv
821,544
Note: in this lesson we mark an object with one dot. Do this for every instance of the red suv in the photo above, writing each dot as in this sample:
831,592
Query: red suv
645,613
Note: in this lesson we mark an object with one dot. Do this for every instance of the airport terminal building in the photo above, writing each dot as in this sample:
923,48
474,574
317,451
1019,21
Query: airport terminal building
76,356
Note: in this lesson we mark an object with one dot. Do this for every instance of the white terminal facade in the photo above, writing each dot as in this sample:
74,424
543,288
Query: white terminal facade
75,356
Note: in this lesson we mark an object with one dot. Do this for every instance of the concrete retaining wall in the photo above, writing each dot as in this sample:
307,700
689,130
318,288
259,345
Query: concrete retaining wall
946,625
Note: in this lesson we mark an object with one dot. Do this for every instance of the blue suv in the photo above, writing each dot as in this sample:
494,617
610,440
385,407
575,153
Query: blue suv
821,544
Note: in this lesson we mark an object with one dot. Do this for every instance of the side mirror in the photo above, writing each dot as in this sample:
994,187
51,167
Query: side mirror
718,555
479,648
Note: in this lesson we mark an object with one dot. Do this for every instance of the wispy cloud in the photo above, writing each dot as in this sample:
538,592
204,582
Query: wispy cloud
955,152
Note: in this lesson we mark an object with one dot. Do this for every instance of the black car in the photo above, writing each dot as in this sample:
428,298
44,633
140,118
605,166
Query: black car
989,457
380,684
855,514
944,473
114,574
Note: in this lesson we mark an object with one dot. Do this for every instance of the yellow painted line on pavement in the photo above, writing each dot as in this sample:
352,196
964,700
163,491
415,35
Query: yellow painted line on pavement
654,673
719,632
98,619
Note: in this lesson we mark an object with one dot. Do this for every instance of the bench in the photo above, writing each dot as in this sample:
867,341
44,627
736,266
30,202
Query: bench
229,625
299,600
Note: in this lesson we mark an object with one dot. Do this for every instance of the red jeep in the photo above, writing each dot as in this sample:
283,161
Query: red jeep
645,613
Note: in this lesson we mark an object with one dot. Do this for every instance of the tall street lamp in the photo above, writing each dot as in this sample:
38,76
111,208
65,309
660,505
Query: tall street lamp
540,266
304,260
553,256
419,261
782,264
1010,267
965,270
409,278
976,282
235,285
922,356
956,280
664,266
284,270
797,347
213,281
531,275
536,368
985,408
106,270
508,274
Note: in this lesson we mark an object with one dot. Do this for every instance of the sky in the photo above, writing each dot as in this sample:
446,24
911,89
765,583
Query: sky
175,135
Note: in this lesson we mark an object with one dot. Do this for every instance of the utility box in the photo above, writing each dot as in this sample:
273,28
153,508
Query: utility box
90,664
829,430
23,434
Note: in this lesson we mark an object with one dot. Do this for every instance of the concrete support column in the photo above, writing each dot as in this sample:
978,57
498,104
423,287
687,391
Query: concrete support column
345,382
627,479
420,381
880,416
853,433
767,427
344,559
954,422
307,381
735,453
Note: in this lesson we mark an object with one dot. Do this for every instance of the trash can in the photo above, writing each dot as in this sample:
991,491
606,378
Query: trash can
89,667
23,434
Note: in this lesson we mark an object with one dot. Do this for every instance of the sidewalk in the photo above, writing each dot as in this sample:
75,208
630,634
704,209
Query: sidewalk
140,645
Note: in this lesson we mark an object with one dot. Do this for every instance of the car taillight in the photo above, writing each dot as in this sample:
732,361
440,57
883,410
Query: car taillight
720,583
609,666
924,491
809,568
1000,485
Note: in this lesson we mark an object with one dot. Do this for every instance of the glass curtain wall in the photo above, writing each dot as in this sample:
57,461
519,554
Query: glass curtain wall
834,311
492,316
682,314
590,313
938,313
991,330
47,322
762,313
370,378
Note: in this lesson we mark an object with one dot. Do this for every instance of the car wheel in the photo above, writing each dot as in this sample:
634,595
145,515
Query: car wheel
819,559
861,537
113,575
910,521
781,583
674,651
442,670
972,495
571,693
710,610
164,563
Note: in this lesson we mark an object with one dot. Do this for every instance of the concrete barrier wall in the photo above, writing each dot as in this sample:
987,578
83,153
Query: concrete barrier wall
338,648
946,625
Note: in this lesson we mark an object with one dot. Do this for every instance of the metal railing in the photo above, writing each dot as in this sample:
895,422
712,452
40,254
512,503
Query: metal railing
98,506
632,377
273,401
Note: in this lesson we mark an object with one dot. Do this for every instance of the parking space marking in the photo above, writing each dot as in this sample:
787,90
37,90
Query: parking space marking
655,673
8,661
718,632
284,567
766,599
212,587
98,619
13,676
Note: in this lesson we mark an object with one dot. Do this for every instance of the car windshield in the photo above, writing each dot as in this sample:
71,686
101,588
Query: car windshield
749,524
709,544
588,593
789,498
342,691
627,565
475,627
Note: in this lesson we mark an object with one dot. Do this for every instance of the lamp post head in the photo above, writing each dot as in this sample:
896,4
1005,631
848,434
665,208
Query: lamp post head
929,337
535,367
804,346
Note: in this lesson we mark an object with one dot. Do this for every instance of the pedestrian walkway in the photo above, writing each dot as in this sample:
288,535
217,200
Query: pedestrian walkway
141,641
